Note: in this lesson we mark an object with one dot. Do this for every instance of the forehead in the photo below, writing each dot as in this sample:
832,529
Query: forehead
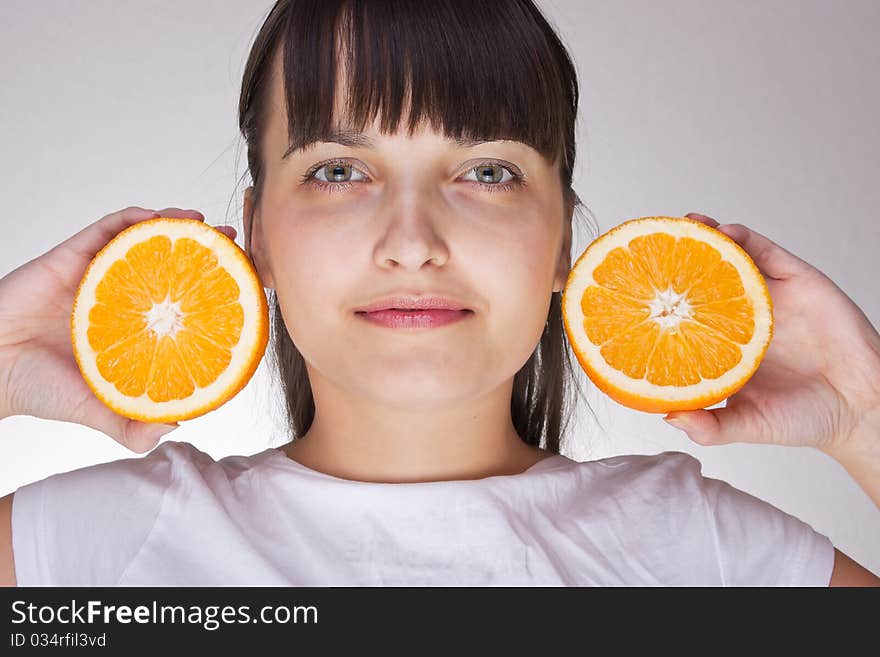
278,120
280,144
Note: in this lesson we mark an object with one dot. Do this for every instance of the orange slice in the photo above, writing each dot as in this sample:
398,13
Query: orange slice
169,321
667,314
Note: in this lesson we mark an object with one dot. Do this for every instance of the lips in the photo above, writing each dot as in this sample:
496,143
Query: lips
414,319
413,302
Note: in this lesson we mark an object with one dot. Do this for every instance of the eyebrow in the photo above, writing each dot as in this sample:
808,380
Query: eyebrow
360,140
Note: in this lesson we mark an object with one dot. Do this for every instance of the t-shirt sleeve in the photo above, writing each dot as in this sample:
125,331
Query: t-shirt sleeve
83,527
758,544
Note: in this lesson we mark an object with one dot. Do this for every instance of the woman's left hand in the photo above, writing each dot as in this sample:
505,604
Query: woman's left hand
820,377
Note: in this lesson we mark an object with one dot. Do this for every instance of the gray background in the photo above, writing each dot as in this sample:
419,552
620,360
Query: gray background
762,113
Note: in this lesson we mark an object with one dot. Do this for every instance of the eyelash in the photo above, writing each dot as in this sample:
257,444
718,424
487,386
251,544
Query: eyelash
517,180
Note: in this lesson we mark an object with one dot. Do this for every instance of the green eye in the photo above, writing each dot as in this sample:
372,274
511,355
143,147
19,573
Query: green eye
491,173
337,176
335,172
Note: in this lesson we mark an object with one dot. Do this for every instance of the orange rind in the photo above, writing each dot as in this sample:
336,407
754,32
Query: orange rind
667,314
169,321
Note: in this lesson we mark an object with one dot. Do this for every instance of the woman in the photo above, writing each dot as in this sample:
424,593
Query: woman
399,151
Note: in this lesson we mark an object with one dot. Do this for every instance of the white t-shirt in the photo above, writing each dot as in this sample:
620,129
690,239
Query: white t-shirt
177,517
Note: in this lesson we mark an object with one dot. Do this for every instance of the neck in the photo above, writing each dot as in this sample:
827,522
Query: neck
359,440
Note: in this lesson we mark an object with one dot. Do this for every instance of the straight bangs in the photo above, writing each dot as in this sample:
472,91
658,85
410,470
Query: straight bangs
477,70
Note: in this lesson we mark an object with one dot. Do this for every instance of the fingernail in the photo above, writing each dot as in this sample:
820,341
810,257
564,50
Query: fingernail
677,423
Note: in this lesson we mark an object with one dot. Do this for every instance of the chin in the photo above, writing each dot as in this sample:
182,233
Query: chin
421,393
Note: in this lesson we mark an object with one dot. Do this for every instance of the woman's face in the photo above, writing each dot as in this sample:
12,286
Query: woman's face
409,216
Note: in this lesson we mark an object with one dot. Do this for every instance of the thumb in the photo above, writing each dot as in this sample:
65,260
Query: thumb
718,426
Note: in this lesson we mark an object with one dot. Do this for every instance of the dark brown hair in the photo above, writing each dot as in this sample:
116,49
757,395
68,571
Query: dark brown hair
485,70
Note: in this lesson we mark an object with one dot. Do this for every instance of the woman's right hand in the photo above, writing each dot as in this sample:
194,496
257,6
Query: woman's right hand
39,375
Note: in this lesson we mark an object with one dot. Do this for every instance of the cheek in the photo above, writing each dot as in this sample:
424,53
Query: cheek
512,268
516,250
304,243
309,269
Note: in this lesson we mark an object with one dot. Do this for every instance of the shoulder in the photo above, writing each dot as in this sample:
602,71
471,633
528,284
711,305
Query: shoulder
154,467
651,494
663,458
670,470
128,476
669,460
82,527
753,541
170,465
630,478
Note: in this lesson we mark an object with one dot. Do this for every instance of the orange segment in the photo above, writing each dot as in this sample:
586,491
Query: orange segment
712,352
190,261
205,360
665,313
625,351
127,363
620,272
170,320
213,288
169,379
722,282
221,325
150,259
733,318
122,287
652,254
607,313
694,260
109,324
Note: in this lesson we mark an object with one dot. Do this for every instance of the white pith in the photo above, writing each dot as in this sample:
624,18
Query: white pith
165,318
668,309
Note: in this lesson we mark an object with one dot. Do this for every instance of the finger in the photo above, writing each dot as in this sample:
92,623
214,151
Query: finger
95,236
177,213
135,435
141,437
702,218
229,231
773,260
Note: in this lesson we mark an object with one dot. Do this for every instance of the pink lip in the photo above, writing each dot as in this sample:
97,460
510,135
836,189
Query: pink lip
414,319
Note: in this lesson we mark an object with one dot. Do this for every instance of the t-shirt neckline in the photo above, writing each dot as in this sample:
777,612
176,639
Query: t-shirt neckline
545,462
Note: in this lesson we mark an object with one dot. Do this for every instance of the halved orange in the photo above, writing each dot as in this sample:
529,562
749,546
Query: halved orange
667,314
170,320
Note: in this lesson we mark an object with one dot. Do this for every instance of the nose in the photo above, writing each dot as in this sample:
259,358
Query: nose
413,224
